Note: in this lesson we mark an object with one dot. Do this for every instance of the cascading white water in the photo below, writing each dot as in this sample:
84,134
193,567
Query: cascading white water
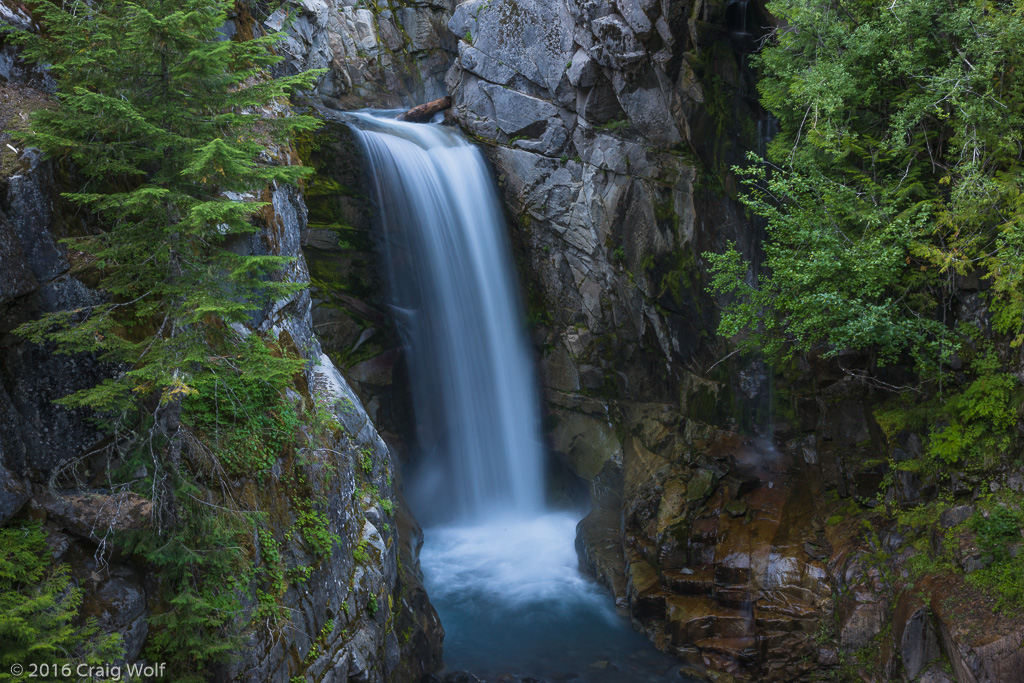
501,571
455,294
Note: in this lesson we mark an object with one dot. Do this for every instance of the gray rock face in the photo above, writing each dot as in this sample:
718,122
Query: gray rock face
29,254
34,433
13,494
121,606
30,210
950,517
584,123
919,643
15,274
380,56
12,67
617,47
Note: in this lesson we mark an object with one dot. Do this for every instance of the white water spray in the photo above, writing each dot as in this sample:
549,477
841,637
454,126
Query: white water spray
501,571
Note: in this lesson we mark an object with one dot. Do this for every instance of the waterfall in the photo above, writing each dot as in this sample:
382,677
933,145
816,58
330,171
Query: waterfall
456,300
501,570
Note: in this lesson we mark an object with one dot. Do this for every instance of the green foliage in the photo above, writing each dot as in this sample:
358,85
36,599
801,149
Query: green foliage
240,408
173,131
39,609
614,125
200,568
321,422
998,534
823,288
389,507
997,527
162,120
997,531
316,531
980,422
360,555
1005,580
897,167
273,575
970,427
317,646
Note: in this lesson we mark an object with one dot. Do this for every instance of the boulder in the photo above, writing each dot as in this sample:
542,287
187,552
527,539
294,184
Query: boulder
119,604
953,516
635,14
93,515
617,46
583,72
599,548
586,442
14,493
598,103
914,635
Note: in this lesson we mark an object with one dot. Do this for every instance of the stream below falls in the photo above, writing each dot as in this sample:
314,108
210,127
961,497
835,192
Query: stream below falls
512,601
500,568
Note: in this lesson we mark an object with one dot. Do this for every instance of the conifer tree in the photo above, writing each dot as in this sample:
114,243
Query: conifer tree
162,117
38,608
166,123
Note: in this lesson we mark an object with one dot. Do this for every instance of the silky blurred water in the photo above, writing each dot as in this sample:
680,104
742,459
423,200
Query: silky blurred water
513,601
501,571
455,293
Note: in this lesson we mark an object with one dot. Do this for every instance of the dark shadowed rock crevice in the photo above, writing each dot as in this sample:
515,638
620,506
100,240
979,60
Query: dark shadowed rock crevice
716,481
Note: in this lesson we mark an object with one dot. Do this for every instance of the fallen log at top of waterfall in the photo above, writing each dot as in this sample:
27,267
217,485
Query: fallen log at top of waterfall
424,112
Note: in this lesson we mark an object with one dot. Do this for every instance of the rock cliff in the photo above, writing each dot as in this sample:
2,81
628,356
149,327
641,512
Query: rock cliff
717,483
354,610
375,54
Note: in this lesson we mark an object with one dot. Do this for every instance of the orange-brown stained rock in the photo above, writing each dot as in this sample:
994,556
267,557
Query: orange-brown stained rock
699,581
599,547
640,466
983,644
738,589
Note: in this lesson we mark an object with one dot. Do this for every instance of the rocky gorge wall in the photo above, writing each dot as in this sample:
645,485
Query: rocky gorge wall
387,54
724,491
734,510
353,611
735,506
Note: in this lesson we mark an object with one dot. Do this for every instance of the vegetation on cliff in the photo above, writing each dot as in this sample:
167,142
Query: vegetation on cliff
175,133
164,122
38,609
895,240
892,187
